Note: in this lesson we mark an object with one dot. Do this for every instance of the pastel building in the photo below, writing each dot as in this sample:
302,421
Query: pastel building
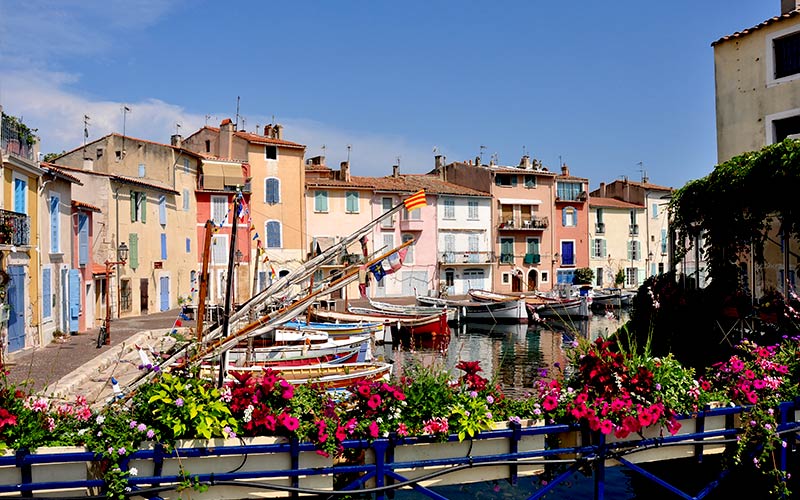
83,292
571,228
612,245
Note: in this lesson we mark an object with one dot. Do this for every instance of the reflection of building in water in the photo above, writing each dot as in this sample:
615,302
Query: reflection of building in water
551,345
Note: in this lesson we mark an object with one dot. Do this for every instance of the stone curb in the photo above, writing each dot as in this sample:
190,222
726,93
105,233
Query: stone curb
71,382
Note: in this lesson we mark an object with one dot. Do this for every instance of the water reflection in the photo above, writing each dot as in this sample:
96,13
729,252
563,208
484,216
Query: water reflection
513,353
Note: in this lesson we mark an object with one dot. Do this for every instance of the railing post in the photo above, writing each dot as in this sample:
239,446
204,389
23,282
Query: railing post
784,409
700,427
379,447
26,473
294,452
600,466
516,435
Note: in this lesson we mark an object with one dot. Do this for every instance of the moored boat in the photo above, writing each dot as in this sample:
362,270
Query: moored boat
477,311
611,298
306,352
507,308
339,329
418,309
332,376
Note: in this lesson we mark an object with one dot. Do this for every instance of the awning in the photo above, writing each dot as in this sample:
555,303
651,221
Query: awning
519,201
322,243
213,176
233,174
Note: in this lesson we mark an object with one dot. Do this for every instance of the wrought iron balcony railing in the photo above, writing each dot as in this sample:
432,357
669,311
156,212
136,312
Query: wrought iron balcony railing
15,228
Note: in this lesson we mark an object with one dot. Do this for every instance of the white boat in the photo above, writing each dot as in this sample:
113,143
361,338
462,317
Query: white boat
423,310
331,376
611,298
576,308
306,350
488,309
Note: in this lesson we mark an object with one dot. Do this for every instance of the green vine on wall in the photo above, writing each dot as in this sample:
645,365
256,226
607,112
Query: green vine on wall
735,206
25,134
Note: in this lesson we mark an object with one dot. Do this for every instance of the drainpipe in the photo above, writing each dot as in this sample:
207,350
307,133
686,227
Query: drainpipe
114,246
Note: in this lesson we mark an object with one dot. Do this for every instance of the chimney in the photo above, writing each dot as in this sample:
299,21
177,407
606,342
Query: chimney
316,161
176,140
564,169
278,131
344,171
789,5
438,162
602,190
395,170
525,162
226,138
88,164
477,161
268,130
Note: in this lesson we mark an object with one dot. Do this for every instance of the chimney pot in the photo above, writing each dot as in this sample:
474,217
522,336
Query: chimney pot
564,169
477,161
278,131
395,170
176,140
603,190
789,5
344,171
525,162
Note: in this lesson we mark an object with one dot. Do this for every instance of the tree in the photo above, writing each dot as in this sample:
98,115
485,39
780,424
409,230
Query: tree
583,275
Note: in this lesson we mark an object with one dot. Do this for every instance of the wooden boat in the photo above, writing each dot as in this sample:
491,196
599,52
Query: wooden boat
418,309
303,352
477,311
332,376
507,308
338,330
564,307
611,298
402,327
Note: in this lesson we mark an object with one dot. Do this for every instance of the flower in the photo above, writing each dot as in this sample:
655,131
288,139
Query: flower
179,402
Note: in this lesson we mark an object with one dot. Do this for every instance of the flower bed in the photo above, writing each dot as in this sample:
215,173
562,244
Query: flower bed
618,396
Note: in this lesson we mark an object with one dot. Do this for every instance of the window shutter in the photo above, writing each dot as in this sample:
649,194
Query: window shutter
47,302
134,205
273,234
133,242
188,245
564,217
162,210
83,239
185,200
630,250
602,248
143,201
163,246
54,232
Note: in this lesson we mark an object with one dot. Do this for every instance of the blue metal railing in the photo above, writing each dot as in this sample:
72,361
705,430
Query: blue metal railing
380,468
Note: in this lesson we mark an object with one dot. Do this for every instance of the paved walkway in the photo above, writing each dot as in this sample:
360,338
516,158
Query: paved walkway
65,365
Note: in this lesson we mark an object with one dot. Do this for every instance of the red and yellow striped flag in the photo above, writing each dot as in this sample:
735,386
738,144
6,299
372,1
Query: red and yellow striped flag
416,200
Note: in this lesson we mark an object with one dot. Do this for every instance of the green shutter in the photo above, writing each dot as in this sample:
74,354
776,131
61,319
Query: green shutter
144,206
603,248
133,242
134,205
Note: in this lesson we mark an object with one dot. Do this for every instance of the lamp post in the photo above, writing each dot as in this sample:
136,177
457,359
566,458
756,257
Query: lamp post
649,262
122,258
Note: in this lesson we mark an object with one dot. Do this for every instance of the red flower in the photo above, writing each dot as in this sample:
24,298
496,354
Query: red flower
374,402
550,403
606,427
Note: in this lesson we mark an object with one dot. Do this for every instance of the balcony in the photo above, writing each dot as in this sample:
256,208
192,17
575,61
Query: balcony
506,258
15,229
600,228
532,258
16,139
352,258
462,258
411,225
634,229
524,224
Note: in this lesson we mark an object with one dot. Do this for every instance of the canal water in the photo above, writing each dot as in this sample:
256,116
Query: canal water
514,355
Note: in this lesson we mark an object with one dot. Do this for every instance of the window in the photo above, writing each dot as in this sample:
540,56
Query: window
415,214
185,200
599,215
118,155
219,249
21,195
654,211
474,248
208,146
598,275
449,248
663,242
569,217
781,278
632,214
631,276
273,231
272,190
125,295
386,205
568,191
409,259
99,153
270,152
787,55
47,293
568,253
530,181
138,206
142,170
472,210
545,277
83,239
506,250
598,248
219,210
532,246
55,228
186,168
388,242
163,246
506,278
565,276
785,126
189,246
505,180
320,201
162,210
449,208
351,202
634,250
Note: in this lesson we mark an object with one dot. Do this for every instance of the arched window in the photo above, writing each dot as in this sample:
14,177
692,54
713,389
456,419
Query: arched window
272,190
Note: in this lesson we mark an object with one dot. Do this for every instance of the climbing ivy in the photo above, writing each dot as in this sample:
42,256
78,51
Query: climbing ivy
736,204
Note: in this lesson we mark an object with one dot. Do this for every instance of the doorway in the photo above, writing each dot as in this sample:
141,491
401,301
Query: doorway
144,296
533,280
516,281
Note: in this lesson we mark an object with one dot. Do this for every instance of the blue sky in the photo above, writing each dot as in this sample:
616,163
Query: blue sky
601,85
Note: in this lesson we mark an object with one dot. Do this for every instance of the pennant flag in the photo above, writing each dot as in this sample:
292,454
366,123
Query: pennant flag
362,289
259,244
272,274
183,316
377,270
416,200
394,262
255,236
178,322
363,240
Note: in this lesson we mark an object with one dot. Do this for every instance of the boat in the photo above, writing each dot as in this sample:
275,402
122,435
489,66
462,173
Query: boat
414,309
477,311
611,298
331,376
541,305
509,308
339,330
308,350
401,326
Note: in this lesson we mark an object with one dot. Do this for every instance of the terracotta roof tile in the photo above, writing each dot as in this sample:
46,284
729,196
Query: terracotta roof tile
597,201
59,172
80,205
404,183
121,178
258,139
764,24
127,137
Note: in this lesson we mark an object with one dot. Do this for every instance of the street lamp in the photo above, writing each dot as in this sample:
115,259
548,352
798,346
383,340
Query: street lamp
556,256
122,258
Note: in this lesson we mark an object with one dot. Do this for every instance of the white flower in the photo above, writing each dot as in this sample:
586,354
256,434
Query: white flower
248,414
134,471
100,419
379,420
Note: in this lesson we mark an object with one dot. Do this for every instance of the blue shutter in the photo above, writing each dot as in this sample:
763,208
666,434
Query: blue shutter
162,210
19,196
74,299
188,245
47,301
564,217
54,232
163,246
273,234
83,239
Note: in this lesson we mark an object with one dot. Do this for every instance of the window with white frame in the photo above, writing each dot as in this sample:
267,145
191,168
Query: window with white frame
320,201
55,224
409,249
598,248
782,125
386,205
783,56
219,210
272,190
530,181
415,214
631,276
449,208
388,242
634,250
274,237
186,168
351,202
138,201
472,210
598,276
654,211
219,249
569,217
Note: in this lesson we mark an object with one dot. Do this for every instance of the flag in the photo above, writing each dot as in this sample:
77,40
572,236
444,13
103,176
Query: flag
363,240
259,244
394,262
362,289
178,322
183,316
377,270
255,237
272,274
416,200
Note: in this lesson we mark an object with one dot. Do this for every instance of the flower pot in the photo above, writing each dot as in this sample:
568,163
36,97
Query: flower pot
49,472
250,461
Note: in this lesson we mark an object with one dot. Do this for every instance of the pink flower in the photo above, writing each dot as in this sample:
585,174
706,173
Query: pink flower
606,426
402,430
373,429
550,403
374,401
